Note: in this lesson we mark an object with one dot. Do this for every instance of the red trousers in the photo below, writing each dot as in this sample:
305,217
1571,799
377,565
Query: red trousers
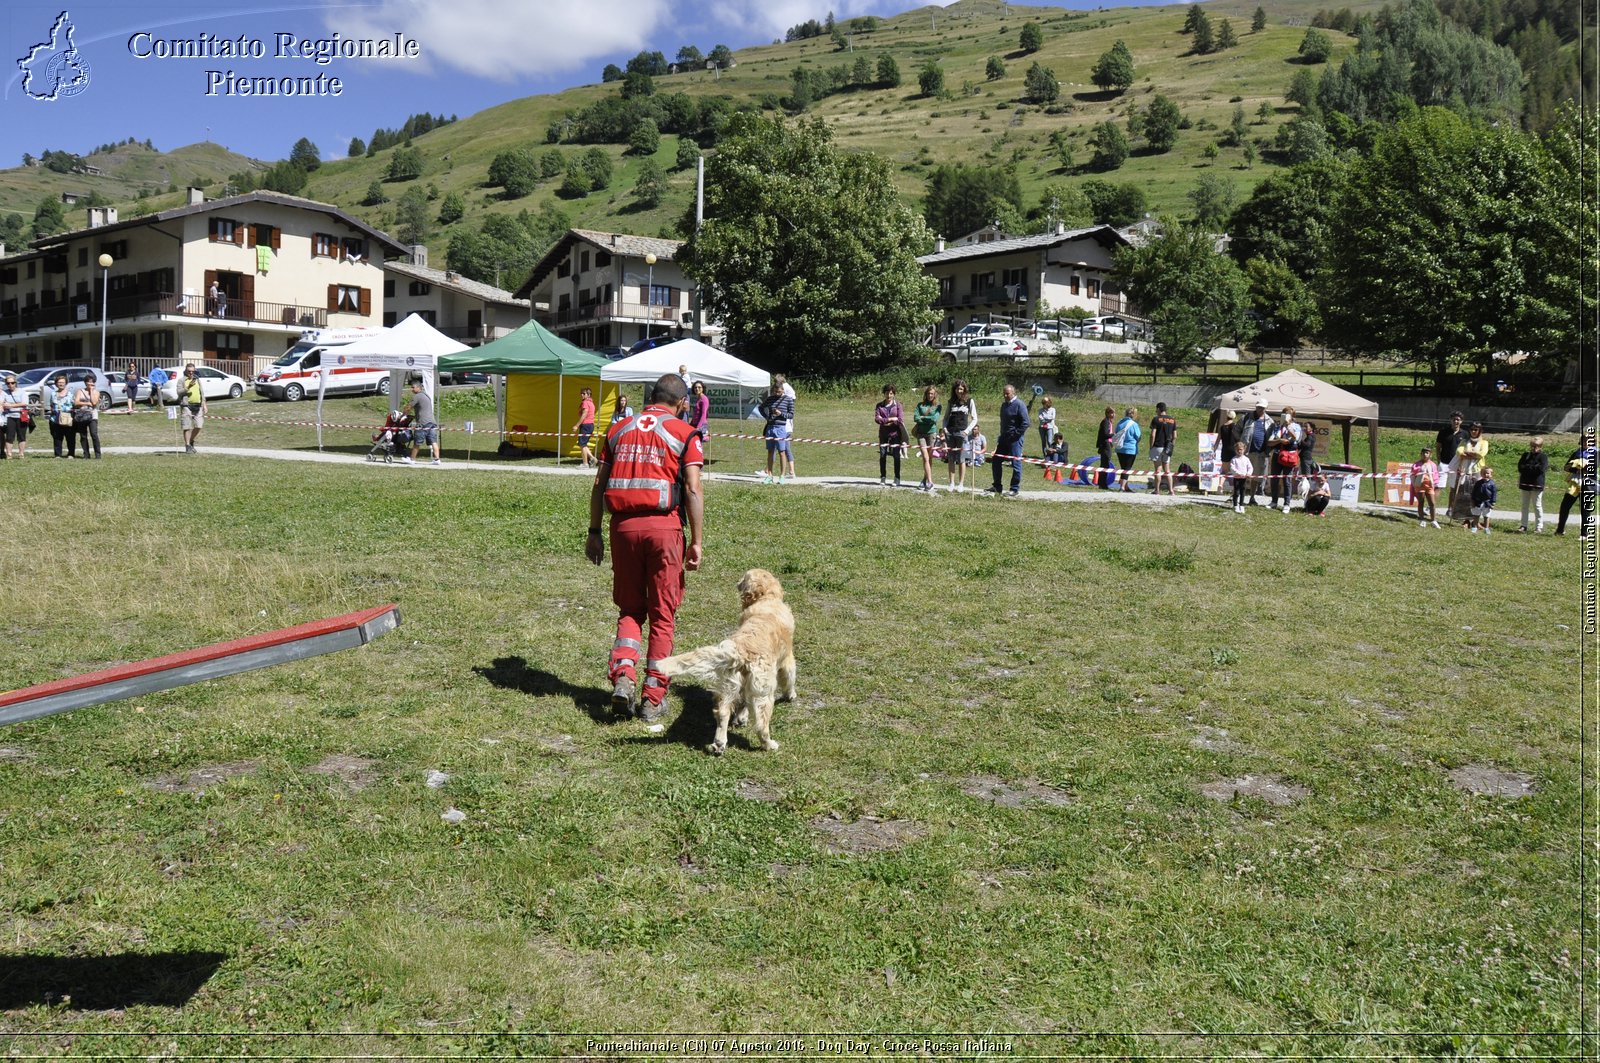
647,583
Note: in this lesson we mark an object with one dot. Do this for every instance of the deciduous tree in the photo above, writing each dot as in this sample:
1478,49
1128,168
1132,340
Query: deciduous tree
651,186
1453,275
1113,71
1041,85
807,253
1032,37
411,219
1196,299
1161,121
1110,146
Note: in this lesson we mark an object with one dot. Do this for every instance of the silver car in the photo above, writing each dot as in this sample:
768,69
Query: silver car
33,383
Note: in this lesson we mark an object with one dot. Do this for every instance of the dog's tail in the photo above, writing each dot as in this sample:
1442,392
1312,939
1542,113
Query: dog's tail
705,663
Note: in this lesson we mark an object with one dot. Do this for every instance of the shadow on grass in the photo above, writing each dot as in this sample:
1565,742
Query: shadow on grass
513,673
99,983
693,726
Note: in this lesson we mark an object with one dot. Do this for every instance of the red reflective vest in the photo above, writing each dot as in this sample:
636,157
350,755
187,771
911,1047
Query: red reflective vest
644,455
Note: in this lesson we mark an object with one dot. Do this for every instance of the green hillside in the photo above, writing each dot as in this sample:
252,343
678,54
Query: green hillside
128,173
916,133
980,121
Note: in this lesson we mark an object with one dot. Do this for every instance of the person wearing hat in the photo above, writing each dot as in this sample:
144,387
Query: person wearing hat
1254,433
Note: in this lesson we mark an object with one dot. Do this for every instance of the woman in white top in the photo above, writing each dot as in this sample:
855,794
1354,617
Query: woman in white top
12,431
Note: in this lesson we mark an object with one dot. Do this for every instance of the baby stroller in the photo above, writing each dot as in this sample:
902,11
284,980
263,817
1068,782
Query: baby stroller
394,436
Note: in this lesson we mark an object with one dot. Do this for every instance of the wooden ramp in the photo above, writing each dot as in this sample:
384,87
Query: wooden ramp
195,666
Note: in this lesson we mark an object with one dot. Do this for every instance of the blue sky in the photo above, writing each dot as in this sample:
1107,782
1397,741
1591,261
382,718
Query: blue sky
473,54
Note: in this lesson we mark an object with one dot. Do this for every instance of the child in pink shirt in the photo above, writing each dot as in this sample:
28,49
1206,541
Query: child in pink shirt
1424,483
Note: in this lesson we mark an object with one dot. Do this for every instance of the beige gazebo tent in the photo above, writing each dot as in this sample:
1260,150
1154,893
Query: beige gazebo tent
1310,397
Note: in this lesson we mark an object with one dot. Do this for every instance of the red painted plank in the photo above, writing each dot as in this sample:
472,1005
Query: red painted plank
198,656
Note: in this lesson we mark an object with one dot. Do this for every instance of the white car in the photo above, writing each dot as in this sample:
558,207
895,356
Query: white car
214,384
1003,347
1104,326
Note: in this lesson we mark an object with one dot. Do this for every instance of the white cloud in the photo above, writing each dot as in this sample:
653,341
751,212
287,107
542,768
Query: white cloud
773,17
506,39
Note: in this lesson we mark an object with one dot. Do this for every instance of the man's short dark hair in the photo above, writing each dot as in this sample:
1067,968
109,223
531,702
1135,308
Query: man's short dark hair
669,390
1161,407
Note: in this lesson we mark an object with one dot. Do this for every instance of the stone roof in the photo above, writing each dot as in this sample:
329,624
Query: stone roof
1102,233
455,282
616,243
258,196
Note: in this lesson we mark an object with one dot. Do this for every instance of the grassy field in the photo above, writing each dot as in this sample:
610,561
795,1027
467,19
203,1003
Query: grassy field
1076,778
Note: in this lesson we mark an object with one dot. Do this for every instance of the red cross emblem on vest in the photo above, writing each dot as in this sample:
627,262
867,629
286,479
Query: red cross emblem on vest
648,423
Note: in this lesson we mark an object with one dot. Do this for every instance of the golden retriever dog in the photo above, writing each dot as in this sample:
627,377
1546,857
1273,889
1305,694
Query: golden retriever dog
751,668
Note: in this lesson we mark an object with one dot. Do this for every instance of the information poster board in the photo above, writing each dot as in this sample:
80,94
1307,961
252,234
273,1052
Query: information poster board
1211,469
1397,484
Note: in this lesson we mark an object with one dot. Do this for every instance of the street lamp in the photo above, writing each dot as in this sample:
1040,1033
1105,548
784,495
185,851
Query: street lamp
649,291
105,292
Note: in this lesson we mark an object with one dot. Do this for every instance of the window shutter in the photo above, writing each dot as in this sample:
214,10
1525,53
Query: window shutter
277,238
238,233
250,236
644,294
333,297
211,278
212,231
366,302
247,344
208,340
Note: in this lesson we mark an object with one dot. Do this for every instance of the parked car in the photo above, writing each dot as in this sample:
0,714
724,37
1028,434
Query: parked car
214,384
1007,348
471,377
1109,325
119,392
612,353
33,383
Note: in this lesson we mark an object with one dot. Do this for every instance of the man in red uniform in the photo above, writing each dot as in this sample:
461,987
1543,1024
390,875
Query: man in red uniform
649,468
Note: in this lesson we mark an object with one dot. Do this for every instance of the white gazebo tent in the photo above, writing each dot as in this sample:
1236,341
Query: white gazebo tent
727,379
1310,397
412,346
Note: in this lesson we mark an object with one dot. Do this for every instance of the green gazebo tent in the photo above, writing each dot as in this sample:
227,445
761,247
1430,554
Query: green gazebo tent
543,376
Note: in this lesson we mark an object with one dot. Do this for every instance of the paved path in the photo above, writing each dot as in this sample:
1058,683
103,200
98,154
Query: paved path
1057,494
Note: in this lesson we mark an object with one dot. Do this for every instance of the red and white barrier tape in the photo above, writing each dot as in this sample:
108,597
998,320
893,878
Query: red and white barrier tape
907,449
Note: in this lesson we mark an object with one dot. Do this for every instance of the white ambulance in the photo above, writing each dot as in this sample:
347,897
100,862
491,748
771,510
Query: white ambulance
298,373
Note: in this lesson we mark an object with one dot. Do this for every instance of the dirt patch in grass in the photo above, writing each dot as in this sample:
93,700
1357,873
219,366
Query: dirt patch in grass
1490,781
1272,790
14,755
202,779
354,772
1214,740
1013,795
869,834
562,744
751,790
